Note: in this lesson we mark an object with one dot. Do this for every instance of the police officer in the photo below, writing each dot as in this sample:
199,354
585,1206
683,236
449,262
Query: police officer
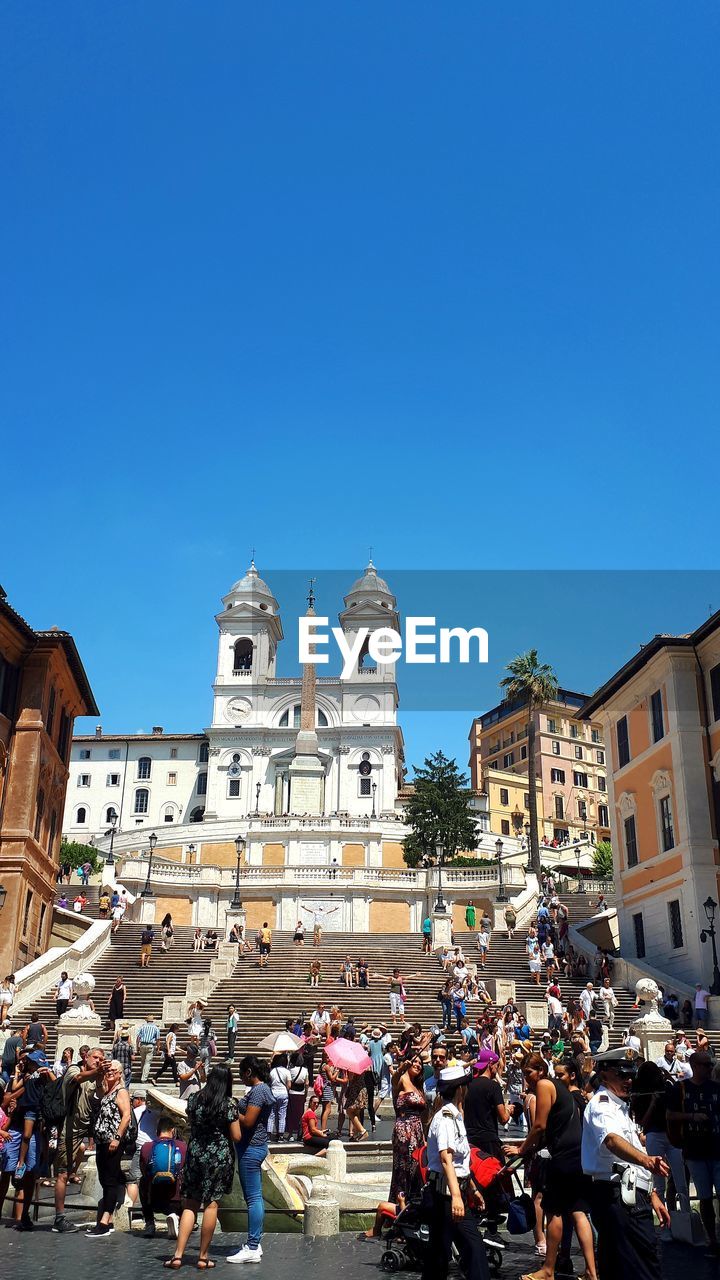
622,1194
448,1192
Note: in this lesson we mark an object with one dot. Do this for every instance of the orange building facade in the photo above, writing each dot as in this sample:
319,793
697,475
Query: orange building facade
43,687
661,715
570,761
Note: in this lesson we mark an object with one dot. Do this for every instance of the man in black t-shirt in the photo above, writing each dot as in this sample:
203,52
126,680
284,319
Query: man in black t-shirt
485,1106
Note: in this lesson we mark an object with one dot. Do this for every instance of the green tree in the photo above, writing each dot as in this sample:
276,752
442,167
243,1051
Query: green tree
76,854
603,860
531,683
439,812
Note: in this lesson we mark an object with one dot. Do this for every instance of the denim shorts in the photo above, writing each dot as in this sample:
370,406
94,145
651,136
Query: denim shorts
11,1150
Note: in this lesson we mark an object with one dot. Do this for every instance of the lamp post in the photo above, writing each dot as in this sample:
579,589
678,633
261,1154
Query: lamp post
152,841
502,896
191,852
710,907
109,860
440,904
258,785
374,790
239,845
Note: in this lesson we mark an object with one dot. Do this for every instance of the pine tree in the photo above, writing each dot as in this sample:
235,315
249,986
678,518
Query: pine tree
534,683
438,812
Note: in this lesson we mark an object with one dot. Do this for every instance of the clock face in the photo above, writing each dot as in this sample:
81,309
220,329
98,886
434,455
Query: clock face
237,710
366,708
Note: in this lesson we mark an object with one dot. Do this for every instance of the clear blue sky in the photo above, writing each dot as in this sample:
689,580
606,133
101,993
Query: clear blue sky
438,278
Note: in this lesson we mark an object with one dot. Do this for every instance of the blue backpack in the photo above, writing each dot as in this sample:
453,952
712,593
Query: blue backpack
164,1163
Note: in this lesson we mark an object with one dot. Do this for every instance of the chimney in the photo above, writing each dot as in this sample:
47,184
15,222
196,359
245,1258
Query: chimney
157,728
98,731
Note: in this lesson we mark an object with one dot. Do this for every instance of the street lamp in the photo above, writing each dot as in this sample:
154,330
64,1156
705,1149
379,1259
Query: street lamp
152,841
440,904
374,789
239,845
109,860
502,896
710,907
258,785
191,852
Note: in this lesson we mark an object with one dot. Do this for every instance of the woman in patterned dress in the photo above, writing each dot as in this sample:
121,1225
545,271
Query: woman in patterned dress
210,1162
408,1133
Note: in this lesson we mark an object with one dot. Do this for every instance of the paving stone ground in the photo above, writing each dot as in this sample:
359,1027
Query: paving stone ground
69,1257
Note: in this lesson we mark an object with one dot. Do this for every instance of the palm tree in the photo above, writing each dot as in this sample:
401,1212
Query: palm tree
532,683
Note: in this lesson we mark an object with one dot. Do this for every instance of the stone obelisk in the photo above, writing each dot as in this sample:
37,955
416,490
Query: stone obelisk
307,770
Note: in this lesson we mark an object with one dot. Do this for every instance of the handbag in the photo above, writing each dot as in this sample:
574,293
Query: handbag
521,1215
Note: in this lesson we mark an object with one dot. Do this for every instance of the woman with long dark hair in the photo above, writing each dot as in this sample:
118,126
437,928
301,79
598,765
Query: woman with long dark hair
210,1162
408,1134
252,1147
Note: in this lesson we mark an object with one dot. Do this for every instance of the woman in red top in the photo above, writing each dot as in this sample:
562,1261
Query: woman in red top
314,1138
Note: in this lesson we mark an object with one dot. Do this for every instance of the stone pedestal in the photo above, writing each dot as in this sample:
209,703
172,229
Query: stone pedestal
441,929
336,1162
80,1025
536,1013
235,915
145,909
322,1211
501,990
651,1028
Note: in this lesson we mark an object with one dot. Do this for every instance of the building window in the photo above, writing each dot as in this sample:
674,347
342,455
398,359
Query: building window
204,753
715,691
142,796
197,815
504,827
64,734
666,824
26,914
508,760
144,767
51,711
113,780
623,742
603,816
169,814
578,753
582,810
574,731
557,775
600,757
656,711
493,764
526,800
580,779
114,753
83,780
243,652
639,931
173,753
504,795
172,780
233,787
202,784
552,726
284,722
675,921
523,753
85,753
9,679
556,748
631,850
602,783
596,735
365,787
559,808
81,816
110,813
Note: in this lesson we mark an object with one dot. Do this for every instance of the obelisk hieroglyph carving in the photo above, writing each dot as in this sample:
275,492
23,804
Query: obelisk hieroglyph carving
307,769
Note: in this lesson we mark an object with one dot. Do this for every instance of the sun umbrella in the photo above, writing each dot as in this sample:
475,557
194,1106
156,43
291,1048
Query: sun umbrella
349,1056
281,1042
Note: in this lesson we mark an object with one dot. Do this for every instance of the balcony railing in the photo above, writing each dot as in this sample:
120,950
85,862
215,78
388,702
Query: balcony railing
422,881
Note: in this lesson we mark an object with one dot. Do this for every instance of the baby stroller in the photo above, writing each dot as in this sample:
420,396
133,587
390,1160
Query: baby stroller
406,1235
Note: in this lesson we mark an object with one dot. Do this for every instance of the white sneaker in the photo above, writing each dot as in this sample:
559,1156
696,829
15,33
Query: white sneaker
173,1222
245,1255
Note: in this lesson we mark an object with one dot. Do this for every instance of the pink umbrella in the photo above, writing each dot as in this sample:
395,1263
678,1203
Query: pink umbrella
349,1056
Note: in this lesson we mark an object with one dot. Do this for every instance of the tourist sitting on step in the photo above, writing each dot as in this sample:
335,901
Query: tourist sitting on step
314,1138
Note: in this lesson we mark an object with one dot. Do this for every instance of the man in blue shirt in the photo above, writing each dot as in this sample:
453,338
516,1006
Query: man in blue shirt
427,936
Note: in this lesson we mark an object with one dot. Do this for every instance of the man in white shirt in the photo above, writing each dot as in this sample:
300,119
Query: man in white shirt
674,1066
586,999
483,941
701,1008
320,1020
554,1012
609,999
461,973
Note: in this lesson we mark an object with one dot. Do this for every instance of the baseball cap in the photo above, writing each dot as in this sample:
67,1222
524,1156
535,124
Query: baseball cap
486,1058
454,1075
38,1058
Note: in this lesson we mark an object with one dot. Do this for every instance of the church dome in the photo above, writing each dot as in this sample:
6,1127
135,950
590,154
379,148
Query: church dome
371,587
251,587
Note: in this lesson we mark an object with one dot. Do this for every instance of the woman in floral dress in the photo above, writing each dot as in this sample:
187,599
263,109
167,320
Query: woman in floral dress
408,1133
210,1162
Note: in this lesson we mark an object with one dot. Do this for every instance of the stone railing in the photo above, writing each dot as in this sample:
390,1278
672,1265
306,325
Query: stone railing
37,977
593,886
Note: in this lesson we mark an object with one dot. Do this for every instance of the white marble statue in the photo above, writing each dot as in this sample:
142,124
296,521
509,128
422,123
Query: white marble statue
80,1010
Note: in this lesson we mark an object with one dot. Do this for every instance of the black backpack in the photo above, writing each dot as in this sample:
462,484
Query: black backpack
53,1107
129,1139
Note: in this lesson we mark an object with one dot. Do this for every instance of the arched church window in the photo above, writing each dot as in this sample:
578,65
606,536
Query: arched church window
144,767
81,816
321,719
243,651
197,815
204,752
169,813
142,796
110,813
365,661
